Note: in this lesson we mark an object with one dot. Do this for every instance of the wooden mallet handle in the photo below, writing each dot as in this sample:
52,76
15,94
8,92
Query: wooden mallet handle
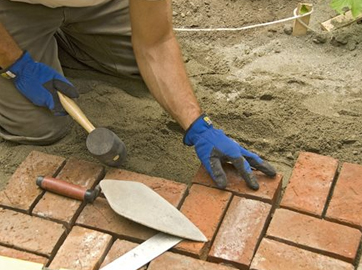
75,112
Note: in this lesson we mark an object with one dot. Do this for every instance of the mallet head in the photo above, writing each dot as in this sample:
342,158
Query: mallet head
107,147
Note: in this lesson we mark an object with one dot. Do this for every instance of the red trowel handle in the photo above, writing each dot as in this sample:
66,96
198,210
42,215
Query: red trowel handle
67,189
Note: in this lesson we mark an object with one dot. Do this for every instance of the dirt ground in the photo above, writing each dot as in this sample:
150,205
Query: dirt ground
274,93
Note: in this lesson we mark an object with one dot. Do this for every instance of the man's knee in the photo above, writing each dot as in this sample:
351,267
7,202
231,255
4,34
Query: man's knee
38,131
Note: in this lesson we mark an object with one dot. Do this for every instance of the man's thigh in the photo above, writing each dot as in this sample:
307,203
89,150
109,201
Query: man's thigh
100,37
33,28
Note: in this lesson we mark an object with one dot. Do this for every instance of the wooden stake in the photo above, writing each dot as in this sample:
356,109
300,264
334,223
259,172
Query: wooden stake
340,21
298,28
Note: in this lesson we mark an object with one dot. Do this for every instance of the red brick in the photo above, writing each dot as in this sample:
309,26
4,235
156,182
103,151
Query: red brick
310,183
29,233
269,190
332,239
346,204
172,261
22,255
21,191
83,249
119,248
273,255
240,232
99,215
205,207
172,191
63,209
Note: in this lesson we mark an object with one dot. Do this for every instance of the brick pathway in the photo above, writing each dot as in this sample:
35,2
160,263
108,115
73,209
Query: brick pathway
315,225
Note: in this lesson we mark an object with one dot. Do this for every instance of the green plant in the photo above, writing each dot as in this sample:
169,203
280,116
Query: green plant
354,5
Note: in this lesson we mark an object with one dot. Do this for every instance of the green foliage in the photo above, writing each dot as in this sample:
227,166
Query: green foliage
354,5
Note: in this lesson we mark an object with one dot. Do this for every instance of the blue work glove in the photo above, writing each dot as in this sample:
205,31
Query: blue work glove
213,148
40,83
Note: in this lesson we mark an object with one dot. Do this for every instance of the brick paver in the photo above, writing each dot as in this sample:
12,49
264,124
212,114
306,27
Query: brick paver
315,234
29,233
100,216
240,232
63,209
172,261
22,255
268,192
346,204
310,183
172,191
21,191
273,255
205,207
83,249
119,248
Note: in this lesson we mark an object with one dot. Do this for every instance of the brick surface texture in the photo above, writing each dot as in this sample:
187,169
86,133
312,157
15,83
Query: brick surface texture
171,261
22,255
315,234
205,207
273,255
313,228
119,248
240,232
346,203
21,191
82,250
310,183
60,208
28,233
172,191
269,187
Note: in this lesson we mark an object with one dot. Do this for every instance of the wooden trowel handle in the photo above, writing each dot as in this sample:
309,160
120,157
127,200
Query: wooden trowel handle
67,189
75,112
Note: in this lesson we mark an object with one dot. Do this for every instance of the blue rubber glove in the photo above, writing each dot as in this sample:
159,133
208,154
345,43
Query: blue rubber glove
213,148
40,83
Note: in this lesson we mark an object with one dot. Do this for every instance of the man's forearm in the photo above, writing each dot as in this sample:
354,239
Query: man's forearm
9,50
164,72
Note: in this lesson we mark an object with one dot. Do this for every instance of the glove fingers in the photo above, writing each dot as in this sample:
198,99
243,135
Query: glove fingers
263,166
65,88
246,173
217,172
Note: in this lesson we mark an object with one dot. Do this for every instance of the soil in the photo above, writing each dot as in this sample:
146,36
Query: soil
274,93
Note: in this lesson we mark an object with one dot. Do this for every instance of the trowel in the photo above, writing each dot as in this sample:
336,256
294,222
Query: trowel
139,203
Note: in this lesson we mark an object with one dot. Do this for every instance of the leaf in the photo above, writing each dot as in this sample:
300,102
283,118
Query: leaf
303,10
354,5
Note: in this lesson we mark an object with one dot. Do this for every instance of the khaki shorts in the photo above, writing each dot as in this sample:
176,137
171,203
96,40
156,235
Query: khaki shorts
98,36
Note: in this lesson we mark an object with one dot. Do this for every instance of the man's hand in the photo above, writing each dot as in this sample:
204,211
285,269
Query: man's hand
40,83
213,148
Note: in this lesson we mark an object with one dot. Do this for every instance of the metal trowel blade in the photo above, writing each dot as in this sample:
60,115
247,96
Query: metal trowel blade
139,203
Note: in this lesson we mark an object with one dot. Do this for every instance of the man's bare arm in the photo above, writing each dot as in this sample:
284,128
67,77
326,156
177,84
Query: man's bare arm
9,50
160,61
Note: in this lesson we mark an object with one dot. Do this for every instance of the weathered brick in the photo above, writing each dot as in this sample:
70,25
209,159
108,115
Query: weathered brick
346,204
99,215
83,249
29,233
172,261
322,236
22,255
269,190
240,232
63,209
205,207
119,248
273,255
21,191
172,191
310,183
